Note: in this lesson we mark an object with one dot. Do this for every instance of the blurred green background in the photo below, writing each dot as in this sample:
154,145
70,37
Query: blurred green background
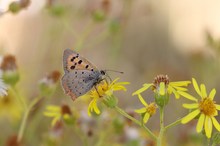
142,38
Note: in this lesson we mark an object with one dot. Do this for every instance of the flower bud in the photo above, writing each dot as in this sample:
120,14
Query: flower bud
10,73
48,84
110,101
67,114
160,90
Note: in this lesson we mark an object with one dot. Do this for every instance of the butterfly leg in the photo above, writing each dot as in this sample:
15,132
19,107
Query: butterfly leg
97,90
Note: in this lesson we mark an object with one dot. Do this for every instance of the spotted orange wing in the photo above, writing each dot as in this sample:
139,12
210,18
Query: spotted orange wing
73,61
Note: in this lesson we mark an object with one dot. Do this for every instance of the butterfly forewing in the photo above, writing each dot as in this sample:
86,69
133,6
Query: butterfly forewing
73,61
80,75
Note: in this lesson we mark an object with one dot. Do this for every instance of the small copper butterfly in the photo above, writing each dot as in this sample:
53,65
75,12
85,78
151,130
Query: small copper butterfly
80,75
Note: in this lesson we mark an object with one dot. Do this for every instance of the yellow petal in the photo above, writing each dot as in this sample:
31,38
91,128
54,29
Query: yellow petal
200,123
186,95
191,106
162,88
55,120
217,106
142,100
113,82
212,94
53,108
146,117
196,87
190,116
118,87
141,110
172,90
208,127
215,123
95,107
179,88
203,91
180,83
145,87
90,108
50,114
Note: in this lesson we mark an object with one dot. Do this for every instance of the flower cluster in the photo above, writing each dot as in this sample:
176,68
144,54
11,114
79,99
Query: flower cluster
104,93
204,107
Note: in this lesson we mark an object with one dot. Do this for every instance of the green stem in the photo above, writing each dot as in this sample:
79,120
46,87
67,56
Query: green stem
25,117
99,38
19,98
84,35
173,124
70,28
162,129
136,121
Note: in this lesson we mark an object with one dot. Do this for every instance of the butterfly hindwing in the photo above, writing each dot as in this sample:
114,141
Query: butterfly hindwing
73,61
79,82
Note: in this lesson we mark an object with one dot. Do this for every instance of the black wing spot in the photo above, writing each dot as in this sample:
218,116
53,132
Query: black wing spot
80,61
75,86
87,66
73,59
91,69
72,67
82,72
75,72
76,76
75,64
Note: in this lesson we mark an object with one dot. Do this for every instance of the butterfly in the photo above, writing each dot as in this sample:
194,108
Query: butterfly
80,76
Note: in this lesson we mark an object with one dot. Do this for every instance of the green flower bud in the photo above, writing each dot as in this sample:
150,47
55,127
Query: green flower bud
11,77
99,15
111,101
161,100
10,73
57,10
48,84
14,7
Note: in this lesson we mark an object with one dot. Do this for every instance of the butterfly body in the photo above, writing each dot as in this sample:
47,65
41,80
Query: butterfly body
80,75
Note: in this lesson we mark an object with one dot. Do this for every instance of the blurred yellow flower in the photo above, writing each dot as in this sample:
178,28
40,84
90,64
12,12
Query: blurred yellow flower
162,85
102,90
10,108
205,108
148,110
58,113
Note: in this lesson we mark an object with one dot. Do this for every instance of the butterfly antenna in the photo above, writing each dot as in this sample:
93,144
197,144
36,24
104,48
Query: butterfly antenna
114,71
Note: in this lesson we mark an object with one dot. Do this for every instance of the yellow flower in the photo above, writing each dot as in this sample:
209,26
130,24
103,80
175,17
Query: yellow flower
147,111
10,108
58,113
205,108
103,90
162,85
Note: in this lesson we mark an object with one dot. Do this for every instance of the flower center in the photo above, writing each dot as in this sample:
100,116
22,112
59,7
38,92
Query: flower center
207,106
151,109
100,90
160,78
65,110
